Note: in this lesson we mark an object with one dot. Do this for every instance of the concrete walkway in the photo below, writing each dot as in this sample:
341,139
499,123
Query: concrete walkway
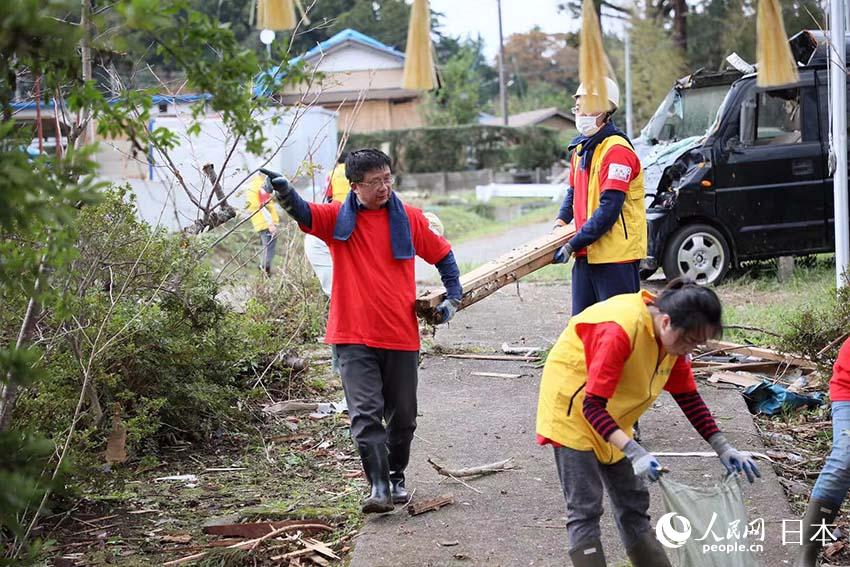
481,250
517,518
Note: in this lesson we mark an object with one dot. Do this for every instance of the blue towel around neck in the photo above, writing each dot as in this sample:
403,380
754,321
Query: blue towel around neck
589,143
400,238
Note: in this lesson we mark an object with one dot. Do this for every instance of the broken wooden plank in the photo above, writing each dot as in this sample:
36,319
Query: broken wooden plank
422,506
759,352
744,379
495,375
506,269
257,529
319,547
702,366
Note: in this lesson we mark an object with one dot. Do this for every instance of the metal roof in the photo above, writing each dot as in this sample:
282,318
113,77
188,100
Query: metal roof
345,36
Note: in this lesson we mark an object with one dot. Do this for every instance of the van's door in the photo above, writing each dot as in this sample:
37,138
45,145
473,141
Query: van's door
770,180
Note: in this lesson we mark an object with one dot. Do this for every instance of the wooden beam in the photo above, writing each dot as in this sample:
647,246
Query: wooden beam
489,278
763,353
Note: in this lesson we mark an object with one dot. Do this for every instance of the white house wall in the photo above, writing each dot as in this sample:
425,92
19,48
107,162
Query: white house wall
306,143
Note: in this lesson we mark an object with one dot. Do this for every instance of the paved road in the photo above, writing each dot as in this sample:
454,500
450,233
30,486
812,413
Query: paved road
481,250
518,517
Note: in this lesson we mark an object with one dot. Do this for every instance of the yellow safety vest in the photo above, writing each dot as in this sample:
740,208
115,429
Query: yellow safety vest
626,240
253,203
339,183
560,415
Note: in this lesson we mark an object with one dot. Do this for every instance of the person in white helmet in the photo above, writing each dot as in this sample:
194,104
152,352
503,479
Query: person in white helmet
605,199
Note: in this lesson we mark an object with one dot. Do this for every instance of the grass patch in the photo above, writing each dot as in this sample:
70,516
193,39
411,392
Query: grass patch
467,219
757,298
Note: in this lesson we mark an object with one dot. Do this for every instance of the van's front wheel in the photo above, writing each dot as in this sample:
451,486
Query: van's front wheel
698,252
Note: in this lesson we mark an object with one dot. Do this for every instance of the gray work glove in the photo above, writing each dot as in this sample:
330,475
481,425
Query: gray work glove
446,310
562,256
734,460
643,463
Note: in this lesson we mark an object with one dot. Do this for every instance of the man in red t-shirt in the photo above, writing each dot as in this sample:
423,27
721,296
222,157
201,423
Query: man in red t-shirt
373,238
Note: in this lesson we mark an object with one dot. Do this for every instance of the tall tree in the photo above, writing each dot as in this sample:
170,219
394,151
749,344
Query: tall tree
458,100
537,56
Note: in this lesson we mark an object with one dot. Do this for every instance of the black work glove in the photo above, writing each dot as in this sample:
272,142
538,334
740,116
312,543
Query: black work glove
276,183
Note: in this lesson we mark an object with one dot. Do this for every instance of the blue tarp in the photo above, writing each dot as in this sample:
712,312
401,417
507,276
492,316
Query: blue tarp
768,398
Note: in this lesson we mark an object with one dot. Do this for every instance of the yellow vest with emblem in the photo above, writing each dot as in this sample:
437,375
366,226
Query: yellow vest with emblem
626,240
560,415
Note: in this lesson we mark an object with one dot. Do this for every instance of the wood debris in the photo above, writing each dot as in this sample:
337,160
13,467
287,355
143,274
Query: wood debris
422,506
506,269
762,353
291,406
495,375
744,379
257,529
506,357
496,467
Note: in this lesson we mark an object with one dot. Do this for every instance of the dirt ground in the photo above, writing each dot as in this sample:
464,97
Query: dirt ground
517,517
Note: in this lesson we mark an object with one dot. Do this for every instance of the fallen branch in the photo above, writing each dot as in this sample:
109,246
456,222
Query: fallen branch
500,466
257,529
423,506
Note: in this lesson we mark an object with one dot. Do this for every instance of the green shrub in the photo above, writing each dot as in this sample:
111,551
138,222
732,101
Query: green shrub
152,336
458,148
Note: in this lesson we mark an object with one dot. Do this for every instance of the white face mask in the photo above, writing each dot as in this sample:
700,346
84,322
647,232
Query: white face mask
587,125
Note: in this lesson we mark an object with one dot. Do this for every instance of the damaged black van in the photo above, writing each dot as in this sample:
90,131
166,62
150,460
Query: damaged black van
757,185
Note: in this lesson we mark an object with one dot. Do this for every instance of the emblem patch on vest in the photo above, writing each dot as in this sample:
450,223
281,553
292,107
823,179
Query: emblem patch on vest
619,172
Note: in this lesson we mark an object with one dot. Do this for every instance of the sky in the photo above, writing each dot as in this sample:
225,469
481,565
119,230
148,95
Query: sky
471,17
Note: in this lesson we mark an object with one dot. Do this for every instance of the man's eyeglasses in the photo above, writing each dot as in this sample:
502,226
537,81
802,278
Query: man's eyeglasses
376,183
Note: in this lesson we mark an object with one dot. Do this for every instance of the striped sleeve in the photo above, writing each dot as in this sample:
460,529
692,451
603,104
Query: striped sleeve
697,413
598,417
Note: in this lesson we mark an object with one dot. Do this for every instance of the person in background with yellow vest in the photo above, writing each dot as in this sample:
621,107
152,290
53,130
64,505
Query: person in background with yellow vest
265,219
605,198
604,371
338,184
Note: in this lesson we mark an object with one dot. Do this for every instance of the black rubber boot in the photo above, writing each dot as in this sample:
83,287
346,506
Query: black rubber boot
589,554
398,459
647,552
377,470
816,515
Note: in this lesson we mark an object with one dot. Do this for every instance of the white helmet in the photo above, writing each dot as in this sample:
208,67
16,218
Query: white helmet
611,87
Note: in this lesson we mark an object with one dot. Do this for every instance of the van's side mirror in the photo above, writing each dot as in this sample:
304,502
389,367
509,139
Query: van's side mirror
733,146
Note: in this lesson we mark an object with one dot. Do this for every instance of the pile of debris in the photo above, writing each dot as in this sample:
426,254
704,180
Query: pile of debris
773,381
288,542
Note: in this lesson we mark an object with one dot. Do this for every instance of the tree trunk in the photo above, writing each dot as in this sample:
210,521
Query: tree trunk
11,388
680,24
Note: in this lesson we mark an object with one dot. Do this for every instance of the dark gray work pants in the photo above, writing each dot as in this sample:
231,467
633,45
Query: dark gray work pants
582,480
380,386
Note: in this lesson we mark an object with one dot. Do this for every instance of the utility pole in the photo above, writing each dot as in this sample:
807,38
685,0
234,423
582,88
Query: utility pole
503,93
838,104
628,84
